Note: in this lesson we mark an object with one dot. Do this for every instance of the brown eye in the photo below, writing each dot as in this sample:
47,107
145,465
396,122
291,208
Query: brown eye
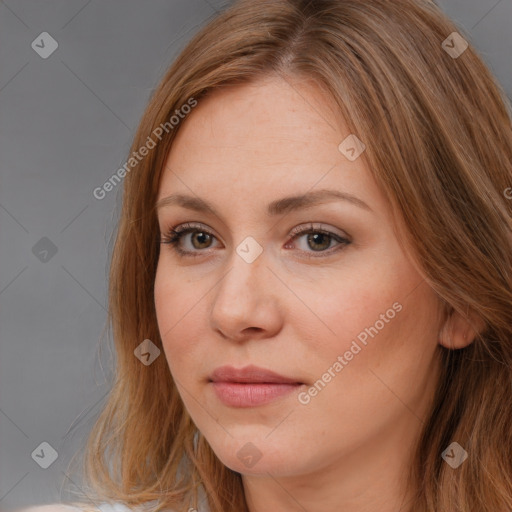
202,238
318,240
321,240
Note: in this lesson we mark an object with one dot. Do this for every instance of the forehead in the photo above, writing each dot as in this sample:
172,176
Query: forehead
265,119
260,139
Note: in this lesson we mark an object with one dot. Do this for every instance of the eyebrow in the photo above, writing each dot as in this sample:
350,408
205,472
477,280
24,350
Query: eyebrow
279,207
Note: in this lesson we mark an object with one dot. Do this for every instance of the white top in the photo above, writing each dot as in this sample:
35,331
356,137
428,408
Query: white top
103,507
121,507
115,507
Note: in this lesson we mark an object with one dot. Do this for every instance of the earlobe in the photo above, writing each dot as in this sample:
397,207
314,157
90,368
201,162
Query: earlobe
458,332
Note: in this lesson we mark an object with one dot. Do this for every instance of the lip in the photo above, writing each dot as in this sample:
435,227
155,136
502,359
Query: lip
250,386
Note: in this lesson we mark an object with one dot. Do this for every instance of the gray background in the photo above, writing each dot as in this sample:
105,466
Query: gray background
66,124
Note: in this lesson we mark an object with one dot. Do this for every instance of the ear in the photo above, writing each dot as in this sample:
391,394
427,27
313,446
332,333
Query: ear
459,331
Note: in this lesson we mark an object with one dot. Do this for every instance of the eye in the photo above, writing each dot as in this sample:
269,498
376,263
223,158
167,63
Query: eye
318,239
201,238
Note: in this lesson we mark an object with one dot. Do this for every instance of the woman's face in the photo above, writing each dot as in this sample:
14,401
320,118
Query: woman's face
335,308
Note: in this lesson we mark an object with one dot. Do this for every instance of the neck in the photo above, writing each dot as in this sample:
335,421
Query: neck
371,478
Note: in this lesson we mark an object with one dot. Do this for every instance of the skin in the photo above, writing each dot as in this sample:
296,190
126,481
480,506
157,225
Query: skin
350,446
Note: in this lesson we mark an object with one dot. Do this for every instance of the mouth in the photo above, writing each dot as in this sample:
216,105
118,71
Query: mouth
250,386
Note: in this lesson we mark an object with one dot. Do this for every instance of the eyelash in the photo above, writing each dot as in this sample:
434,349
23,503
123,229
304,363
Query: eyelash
175,235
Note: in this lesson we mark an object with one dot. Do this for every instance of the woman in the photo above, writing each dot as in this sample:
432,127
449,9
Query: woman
310,291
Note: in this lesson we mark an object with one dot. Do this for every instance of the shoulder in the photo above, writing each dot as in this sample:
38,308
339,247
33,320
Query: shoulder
54,507
80,507
61,507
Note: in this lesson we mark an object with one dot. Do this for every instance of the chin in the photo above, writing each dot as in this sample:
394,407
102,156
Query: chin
251,451
269,463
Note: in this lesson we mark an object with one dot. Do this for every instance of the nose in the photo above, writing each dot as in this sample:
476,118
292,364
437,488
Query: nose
246,304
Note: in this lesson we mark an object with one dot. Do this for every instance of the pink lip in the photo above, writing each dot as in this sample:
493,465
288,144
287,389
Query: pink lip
250,386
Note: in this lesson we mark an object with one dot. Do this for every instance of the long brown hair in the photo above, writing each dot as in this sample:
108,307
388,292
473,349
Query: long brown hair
438,141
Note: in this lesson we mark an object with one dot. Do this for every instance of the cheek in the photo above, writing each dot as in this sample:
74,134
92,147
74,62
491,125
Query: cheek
174,305
345,306
377,380
389,351
181,308
373,317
